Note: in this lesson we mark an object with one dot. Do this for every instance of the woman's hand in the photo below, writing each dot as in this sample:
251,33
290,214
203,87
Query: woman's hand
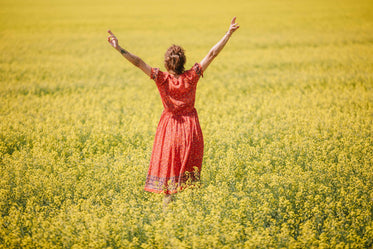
233,27
135,60
113,40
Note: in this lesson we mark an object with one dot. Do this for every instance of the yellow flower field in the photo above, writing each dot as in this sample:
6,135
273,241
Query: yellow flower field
286,111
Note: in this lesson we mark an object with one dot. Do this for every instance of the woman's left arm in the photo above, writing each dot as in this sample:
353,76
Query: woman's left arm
135,60
215,50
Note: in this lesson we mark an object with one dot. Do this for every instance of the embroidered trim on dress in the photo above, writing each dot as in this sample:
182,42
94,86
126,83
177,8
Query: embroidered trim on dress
171,184
154,73
198,69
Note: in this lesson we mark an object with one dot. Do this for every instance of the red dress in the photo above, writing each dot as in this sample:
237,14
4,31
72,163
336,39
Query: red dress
178,144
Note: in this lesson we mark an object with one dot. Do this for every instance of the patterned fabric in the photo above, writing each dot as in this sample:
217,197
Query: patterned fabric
154,73
178,145
198,69
171,184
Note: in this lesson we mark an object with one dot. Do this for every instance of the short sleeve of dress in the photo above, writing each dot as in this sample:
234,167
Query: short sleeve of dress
158,76
154,73
197,68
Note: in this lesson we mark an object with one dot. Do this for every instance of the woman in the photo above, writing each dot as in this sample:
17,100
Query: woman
178,145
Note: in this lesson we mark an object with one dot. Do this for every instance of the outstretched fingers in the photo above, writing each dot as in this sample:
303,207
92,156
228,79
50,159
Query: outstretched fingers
234,26
111,36
112,39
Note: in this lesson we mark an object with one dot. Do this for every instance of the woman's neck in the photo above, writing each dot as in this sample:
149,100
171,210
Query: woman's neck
174,74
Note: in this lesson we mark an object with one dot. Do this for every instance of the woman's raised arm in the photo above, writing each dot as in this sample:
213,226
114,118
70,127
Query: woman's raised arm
135,60
215,50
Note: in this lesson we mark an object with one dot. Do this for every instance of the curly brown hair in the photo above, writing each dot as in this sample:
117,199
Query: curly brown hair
174,59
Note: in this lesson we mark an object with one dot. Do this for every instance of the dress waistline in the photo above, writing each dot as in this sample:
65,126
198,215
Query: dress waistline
184,112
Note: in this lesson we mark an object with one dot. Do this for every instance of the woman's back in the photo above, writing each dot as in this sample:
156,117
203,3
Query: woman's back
177,93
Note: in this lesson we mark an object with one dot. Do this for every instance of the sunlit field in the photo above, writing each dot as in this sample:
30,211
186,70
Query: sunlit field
286,111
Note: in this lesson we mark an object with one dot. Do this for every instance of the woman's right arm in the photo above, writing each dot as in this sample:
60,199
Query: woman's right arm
135,60
215,50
